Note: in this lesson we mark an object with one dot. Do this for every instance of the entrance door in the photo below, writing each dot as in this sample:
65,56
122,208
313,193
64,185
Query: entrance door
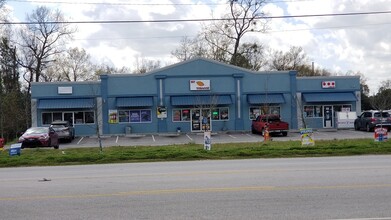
68,116
327,116
200,120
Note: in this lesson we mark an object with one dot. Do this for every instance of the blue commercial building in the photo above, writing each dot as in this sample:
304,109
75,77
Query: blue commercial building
192,96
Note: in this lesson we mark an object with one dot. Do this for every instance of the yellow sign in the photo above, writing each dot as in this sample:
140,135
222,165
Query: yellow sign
306,137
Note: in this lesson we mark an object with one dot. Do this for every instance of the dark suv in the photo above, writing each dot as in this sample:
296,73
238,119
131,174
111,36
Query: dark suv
64,129
368,120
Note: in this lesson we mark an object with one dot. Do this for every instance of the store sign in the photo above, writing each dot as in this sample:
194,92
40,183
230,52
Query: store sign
328,84
161,112
113,116
65,90
196,85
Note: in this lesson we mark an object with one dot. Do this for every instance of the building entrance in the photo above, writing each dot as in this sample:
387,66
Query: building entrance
200,120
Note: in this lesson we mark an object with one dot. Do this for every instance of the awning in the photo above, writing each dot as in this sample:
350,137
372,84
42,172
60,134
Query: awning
266,99
65,103
201,100
329,97
135,102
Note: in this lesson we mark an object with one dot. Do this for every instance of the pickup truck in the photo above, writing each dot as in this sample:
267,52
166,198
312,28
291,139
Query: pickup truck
276,126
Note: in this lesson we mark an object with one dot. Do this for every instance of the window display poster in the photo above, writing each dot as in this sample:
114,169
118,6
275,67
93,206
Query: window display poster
134,116
113,116
145,115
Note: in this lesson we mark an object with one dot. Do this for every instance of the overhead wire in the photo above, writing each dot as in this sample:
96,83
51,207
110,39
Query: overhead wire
194,20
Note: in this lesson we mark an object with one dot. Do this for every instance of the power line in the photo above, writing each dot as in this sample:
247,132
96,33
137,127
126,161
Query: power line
111,3
268,32
195,20
142,4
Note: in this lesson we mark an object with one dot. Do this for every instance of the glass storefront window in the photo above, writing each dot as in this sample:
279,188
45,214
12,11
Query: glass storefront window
224,114
123,116
185,114
260,110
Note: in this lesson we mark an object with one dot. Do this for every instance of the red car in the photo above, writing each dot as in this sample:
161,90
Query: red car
39,137
272,122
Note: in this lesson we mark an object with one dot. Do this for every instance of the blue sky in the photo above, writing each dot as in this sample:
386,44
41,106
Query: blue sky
340,44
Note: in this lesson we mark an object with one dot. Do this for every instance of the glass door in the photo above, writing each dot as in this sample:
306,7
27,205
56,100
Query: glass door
327,116
195,120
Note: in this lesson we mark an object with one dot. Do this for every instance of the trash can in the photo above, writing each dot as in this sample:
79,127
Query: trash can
178,129
128,130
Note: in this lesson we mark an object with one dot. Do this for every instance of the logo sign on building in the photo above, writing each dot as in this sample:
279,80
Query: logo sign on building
328,84
196,85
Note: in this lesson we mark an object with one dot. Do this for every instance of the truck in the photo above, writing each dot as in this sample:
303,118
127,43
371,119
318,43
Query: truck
270,122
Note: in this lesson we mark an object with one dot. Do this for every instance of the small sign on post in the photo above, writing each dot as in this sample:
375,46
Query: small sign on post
15,149
306,137
381,134
207,140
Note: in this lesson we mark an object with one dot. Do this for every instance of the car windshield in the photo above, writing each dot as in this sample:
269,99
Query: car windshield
383,114
37,130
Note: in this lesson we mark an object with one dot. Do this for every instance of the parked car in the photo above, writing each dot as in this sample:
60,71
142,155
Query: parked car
64,130
369,120
39,137
272,122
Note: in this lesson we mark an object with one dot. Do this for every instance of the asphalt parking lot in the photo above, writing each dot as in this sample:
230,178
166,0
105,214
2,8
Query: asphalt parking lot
197,138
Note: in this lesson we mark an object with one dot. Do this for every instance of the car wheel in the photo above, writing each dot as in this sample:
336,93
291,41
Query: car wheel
368,128
356,127
253,130
56,146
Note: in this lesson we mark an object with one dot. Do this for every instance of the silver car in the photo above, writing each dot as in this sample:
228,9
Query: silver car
64,129
369,120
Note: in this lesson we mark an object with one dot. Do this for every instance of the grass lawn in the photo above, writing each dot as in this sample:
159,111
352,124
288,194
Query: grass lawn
272,149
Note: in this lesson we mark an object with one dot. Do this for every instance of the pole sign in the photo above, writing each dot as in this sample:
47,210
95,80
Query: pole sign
207,140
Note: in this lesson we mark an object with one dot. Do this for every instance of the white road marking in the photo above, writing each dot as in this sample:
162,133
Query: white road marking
116,140
189,137
385,218
232,136
153,138
80,140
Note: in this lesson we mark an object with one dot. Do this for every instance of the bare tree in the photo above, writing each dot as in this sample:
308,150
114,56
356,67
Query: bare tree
247,16
144,65
41,39
222,40
74,65
106,69
290,60
382,100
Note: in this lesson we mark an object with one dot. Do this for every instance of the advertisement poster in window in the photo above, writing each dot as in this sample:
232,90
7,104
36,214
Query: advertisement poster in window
113,116
134,116
176,115
145,115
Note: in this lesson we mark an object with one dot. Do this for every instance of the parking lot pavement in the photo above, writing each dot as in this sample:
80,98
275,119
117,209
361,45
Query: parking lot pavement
198,138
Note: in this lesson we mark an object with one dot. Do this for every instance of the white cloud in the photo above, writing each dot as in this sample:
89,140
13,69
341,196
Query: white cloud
360,43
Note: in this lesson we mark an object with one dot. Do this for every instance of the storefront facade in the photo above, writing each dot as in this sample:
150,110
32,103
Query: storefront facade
192,96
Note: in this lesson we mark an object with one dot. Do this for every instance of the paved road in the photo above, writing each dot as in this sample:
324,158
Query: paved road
175,138
298,188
